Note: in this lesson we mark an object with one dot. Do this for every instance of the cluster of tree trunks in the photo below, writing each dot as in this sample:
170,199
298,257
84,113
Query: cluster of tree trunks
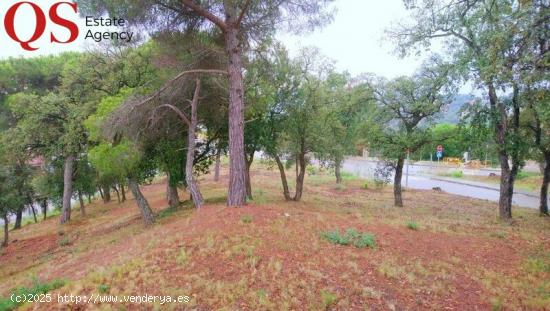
300,176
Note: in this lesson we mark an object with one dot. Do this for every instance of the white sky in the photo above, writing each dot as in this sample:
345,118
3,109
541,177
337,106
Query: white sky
354,39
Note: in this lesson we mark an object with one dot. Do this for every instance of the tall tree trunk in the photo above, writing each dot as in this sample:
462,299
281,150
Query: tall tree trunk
89,197
237,188
297,167
123,192
337,167
33,213
217,166
106,194
507,179
171,193
146,212
117,193
68,170
18,218
6,230
301,175
249,159
543,207
44,205
81,201
281,167
190,178
499,119
398,199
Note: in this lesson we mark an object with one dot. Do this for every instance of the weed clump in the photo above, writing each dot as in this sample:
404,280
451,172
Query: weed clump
351,236
327,299
412,225
37,288
246,219
457,174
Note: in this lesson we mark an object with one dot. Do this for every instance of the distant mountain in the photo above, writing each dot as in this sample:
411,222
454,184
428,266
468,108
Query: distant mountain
451,113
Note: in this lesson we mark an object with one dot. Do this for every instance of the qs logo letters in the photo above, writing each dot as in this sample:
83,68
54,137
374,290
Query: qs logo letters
40,16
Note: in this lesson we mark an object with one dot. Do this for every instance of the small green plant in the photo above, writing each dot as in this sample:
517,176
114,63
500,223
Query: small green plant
366,186
246,219
327,298
36,289
348,176
412,225
523,175
311,170
182,257
456,174
365,240
351,236
167,212
334,237
103,288
64,241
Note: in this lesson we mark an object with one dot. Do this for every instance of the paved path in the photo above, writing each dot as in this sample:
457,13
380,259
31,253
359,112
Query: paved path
417,180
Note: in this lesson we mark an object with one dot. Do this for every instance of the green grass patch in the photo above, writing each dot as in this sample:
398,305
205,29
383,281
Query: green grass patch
522,175
103,288
351,236
327,299
246,219
456,174
412,225
37,288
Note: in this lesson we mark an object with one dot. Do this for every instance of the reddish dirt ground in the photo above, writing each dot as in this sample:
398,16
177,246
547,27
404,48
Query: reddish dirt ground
270,255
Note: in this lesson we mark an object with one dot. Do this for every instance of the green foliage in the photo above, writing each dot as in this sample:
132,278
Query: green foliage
103,288
64,241
405,106
351,236
412,225
366,186
246,219
36,288
456,174
328,298
182,257
114,162
524,175
104,109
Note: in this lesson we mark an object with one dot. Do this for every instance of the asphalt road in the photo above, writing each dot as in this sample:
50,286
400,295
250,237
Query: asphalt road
417,180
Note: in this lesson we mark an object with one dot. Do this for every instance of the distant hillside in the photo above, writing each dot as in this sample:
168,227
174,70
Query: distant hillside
451,113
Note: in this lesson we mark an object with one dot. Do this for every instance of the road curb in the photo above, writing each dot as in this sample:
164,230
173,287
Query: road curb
529,194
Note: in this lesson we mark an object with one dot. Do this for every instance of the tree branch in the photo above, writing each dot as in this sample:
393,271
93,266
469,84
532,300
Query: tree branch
205,13
182,115
243,13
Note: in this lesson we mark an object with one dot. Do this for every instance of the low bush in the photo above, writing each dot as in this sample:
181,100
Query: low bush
351,236
37,288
